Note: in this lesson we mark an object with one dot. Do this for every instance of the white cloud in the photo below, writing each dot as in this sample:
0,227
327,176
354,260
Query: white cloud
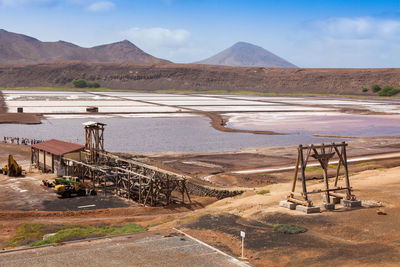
101,6
157,37
14,3
347,42
359,28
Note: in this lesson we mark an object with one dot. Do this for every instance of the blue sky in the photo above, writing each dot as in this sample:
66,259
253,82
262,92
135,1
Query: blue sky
311,34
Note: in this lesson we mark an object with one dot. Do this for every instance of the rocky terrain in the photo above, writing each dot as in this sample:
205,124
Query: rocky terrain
21,49
247,55
152,77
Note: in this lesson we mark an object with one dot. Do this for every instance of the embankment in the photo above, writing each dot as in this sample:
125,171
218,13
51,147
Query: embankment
176,77
204,191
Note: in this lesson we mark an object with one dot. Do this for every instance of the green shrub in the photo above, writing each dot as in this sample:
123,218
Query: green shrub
364,163
26,234
78,233
93,84
314,169
364,90
289,229
80,83
263,192
389,90
375,88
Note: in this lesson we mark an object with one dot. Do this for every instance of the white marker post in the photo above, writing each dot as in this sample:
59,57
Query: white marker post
242,234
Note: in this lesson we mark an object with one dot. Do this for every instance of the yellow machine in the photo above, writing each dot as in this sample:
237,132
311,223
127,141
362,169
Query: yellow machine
12,168
67,186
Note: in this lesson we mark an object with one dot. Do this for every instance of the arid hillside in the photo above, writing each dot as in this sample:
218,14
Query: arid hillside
199,77
21,49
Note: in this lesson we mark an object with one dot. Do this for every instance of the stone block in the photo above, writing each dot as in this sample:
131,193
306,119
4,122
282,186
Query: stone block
350,203
287,204
308,210
334,200
329,206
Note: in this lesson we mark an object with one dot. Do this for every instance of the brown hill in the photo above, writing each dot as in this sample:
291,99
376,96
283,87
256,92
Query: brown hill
21,49
199,77
247,55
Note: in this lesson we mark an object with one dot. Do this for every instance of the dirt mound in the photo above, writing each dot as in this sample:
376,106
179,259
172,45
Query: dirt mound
152,77
3,106
21,118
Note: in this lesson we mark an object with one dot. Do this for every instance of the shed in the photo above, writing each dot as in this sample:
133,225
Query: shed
47,155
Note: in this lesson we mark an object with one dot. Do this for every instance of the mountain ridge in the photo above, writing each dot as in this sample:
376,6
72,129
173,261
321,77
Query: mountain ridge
22,49
245,54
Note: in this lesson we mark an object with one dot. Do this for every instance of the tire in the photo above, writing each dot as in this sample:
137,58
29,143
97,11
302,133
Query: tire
66,194
81,192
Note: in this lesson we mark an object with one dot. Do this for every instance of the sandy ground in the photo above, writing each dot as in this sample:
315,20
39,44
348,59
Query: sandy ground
339,238
343,237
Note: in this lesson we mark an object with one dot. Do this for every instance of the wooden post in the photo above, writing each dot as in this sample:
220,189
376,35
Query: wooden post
105,184
338,172
44,161
140,189
129,185
348,191
296,171
303,175
52,163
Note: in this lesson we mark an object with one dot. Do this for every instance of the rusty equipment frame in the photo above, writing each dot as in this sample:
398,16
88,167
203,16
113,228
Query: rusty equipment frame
322,153
131,179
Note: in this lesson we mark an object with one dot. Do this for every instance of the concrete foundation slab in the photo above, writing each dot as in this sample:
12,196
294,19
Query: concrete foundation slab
334,200
287,204
350,203
308,210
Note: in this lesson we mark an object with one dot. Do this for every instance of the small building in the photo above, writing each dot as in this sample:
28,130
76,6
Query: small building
47,155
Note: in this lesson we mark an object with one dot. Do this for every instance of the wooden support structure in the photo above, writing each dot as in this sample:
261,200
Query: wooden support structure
135,180
146,184
322,153
94,139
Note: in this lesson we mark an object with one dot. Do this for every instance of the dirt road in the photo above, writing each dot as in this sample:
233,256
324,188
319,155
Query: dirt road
157,248
350,160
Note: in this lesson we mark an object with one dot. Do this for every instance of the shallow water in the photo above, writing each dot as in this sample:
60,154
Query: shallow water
325,123
193,134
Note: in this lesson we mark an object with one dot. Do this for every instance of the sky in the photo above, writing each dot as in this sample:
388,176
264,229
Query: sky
307,33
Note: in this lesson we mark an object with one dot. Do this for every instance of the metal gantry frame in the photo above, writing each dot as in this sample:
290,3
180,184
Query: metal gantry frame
322,153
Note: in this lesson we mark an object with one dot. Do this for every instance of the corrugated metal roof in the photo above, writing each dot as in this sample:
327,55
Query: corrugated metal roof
58,147
93,123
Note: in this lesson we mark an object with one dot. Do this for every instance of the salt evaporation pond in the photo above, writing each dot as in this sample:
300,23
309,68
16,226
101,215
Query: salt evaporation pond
324,123
181,134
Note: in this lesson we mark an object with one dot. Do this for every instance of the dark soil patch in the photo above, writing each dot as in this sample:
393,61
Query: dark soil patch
100,202
261,237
